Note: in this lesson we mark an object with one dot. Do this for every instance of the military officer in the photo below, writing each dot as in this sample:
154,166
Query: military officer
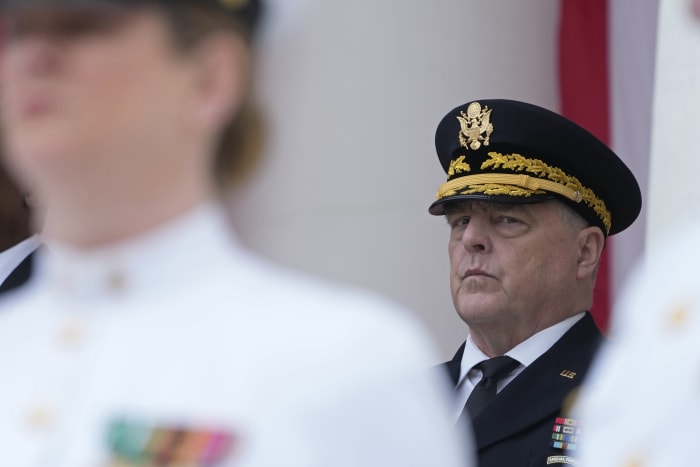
148,336
530,199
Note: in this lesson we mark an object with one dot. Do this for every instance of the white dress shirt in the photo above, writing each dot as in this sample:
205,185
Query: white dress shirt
525,353
182,327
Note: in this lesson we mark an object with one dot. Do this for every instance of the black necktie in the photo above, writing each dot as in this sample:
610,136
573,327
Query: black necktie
493,370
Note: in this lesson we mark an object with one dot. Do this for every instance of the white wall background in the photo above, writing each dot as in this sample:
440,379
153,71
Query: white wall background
632,45
353,92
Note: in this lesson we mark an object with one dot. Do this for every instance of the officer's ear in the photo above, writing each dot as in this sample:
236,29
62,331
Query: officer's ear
590,242
221,81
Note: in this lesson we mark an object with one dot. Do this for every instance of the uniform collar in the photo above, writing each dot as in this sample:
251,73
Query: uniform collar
176,253
526,352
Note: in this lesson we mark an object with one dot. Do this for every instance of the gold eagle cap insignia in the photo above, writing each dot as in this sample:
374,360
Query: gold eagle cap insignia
475,126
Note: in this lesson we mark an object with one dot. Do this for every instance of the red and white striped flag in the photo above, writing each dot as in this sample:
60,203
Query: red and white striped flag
606,69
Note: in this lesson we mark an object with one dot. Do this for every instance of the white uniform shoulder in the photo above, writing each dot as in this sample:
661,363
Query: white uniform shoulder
641,396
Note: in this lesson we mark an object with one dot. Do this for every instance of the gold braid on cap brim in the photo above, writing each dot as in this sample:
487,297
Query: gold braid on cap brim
546,179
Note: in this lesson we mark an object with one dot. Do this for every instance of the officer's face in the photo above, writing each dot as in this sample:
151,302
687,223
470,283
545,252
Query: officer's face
511,264
83,87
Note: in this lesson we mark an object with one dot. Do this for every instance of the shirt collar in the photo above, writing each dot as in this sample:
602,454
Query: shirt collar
526,352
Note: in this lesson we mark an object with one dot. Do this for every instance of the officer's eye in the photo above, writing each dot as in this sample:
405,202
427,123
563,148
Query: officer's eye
459,221
507,220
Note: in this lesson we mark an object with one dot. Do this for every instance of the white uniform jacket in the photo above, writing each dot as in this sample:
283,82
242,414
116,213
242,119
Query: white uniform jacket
180,348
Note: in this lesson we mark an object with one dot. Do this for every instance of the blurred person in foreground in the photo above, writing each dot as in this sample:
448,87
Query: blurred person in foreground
17,240
530,199
148,336
643,396
640,402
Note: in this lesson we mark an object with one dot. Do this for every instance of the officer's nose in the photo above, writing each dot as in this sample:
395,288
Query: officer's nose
476,237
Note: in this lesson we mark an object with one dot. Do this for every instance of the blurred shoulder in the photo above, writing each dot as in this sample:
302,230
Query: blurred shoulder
662,292
342,312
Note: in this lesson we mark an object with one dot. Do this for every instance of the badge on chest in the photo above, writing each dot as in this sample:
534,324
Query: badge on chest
565,436
135,443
